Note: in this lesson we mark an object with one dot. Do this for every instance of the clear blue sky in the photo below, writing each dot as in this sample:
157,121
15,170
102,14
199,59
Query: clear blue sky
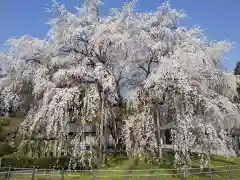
220,18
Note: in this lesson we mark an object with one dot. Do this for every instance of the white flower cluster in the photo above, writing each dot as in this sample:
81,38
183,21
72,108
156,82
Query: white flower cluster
88,65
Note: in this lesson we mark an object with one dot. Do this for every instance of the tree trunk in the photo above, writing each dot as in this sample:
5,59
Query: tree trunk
105,138
60,145
98,142
101,130
209,163
159,135
55,148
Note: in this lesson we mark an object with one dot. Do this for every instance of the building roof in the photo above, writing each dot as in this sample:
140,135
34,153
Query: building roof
227,125
72,127
235,131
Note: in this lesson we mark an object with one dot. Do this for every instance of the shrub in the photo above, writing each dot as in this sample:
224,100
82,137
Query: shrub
6,149
4,121
18,161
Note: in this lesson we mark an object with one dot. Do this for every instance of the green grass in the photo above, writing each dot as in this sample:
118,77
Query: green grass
139,170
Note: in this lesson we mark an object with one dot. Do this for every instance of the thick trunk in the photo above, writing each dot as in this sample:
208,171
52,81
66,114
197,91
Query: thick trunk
60,145
113,130
55,148
159,135
101,138
98,143
156,116
105,138
116,139
209,162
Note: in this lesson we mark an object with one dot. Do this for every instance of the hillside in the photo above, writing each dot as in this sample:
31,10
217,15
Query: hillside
8,128
120,168
117,166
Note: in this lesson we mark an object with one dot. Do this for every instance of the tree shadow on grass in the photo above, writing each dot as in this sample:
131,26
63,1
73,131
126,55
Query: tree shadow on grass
224,161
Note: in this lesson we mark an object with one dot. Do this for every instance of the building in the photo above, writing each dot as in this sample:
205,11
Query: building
73,129
235,134
165,132
4,80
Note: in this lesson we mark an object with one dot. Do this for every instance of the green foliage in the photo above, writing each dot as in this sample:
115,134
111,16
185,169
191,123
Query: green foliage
5,149
9,125
4,121
19,161
2,136
237,69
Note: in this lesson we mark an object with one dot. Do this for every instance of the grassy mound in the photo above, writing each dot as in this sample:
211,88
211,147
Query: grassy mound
117,168
7,126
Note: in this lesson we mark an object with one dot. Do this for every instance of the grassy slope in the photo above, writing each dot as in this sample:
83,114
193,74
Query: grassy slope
8,125
121,164
147,171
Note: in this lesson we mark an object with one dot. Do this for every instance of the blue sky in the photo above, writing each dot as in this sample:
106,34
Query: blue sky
219,18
